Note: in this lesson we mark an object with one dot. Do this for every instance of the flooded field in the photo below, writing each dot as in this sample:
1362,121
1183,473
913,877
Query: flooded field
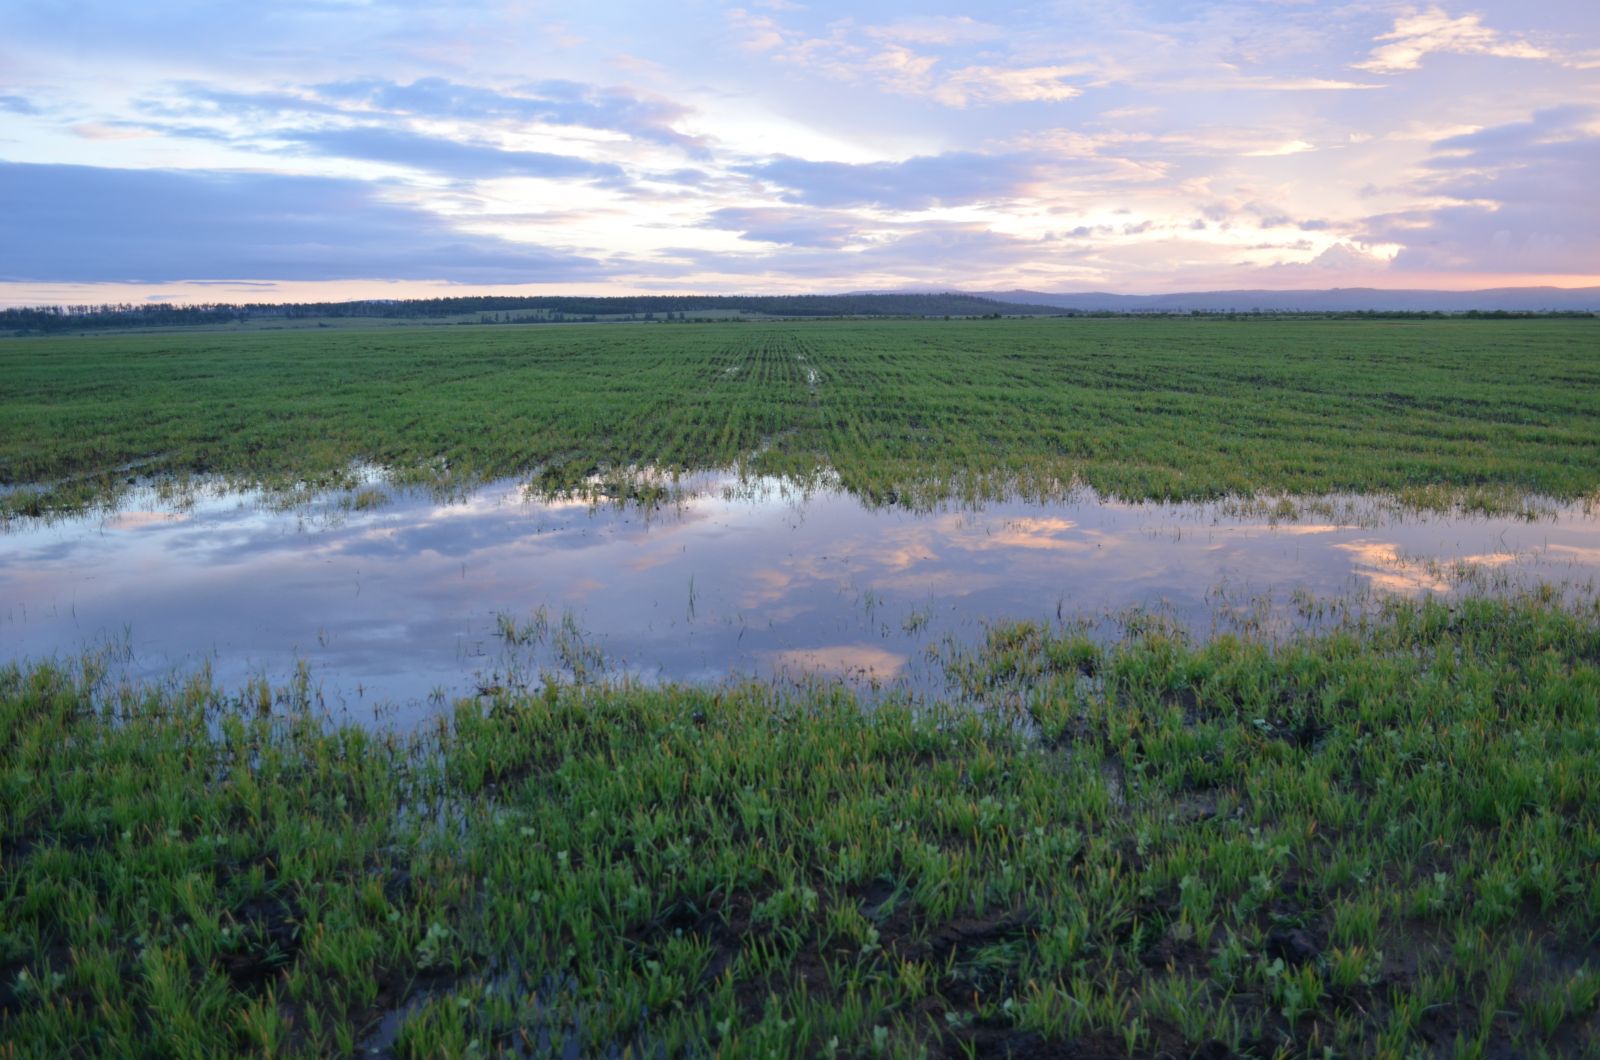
399,598
858,748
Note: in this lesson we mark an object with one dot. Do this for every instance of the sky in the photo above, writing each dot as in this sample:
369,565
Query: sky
195,151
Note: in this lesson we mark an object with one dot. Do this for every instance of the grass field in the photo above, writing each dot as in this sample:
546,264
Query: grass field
1437,411
1380,841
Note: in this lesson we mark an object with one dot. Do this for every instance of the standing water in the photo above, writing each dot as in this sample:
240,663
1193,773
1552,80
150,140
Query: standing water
417,600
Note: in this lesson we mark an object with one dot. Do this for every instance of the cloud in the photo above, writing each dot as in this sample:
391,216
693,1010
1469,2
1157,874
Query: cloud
193,99
19,105
902,71
1342,258
104,131
880,55
915,184
470,161
1505,143
991,84
1275,84
95,130
1346,257
567,103
941,253
758,33
86,224
562,103
937,30
1279,150
1523,200
1433,31
458,159
791,227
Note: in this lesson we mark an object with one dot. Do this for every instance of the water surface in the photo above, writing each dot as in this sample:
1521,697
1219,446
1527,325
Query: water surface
419,600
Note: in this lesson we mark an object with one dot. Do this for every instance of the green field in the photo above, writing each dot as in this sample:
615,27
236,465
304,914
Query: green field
1436,411
1376,842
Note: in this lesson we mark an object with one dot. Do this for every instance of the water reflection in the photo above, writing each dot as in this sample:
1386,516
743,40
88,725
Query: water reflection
733,577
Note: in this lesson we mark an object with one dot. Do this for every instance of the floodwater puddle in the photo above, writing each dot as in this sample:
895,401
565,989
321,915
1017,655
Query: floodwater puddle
414,600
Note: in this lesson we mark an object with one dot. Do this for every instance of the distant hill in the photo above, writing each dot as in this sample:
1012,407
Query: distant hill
1338,300
572,309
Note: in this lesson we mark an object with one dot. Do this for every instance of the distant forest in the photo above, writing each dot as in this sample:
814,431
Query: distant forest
580,309
528,310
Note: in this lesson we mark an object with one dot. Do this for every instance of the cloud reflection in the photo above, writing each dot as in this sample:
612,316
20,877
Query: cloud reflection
142,520
1385,566
405,598
840,660
1032,532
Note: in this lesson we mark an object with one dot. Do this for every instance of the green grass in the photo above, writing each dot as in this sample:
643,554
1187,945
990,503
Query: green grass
1380,840
1437,411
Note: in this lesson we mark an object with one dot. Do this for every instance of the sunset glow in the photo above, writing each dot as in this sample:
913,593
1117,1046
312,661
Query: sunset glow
193,152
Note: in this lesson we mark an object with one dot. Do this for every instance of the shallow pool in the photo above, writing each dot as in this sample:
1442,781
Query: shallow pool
418,600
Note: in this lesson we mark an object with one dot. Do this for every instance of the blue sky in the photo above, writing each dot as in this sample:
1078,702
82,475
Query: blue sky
197,151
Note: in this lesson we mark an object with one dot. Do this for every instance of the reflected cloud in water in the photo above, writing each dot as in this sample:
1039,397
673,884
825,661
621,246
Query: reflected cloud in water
840,660
142,520
1385,567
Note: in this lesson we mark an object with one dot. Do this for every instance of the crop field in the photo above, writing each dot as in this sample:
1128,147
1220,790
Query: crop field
1378,841
1438,412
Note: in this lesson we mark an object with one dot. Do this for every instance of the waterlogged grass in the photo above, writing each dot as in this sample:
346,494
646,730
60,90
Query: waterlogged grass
1438,411
1380,840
